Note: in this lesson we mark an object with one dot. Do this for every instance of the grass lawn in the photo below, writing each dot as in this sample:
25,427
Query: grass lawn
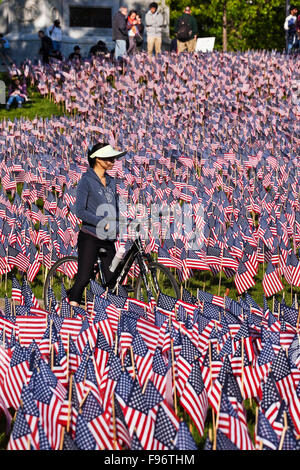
37,106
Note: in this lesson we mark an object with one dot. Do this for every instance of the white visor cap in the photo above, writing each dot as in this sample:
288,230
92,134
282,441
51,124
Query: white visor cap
107,152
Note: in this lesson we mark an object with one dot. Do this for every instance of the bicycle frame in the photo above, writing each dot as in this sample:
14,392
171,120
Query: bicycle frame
136,251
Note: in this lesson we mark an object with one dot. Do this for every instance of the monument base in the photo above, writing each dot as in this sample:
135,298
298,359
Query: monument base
27,46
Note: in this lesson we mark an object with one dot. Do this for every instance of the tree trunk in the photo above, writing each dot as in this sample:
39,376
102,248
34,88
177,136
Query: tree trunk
224,27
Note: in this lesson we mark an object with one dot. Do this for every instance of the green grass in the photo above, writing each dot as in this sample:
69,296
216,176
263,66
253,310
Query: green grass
37,106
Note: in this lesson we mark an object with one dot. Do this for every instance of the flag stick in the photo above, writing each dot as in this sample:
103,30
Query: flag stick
255,426
132,360
298,319
173,373
84,398
217,423
50,336
145,385
213,411
220,277
70,402
114,421
243,366
62,437
116,344
68,356
283,432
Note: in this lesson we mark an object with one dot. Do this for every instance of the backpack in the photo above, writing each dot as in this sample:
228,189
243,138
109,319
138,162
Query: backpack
184,32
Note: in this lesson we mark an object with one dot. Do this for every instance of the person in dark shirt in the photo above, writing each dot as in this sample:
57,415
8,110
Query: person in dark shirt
140,34
46,46
75,55
4,48
46,49
187,43
120,32
98,49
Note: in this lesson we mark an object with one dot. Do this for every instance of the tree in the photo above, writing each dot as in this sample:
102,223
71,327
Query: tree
237,25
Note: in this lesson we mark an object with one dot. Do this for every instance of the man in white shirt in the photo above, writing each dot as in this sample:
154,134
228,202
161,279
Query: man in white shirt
54,32
290,27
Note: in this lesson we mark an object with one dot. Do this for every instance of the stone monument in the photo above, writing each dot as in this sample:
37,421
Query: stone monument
83,22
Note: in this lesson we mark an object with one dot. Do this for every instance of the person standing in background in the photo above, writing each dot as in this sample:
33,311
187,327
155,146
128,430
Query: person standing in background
297,42
140,32
46,48
132,31
186,29
154,24
290,28
55,33
120,32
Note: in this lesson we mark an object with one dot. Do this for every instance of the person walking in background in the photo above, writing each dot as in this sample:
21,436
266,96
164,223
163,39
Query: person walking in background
297,41
4,48
17,92
132,31
120,32
154,24
186,29
55,33
290,28
46,48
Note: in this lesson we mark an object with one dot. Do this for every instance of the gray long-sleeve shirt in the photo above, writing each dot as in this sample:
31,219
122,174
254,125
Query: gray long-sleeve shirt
97,205
154,23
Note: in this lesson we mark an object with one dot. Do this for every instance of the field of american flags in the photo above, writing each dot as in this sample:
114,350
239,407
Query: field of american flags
218,369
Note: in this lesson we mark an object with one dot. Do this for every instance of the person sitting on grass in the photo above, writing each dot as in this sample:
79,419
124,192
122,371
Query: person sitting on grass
75,55
17,92
98,49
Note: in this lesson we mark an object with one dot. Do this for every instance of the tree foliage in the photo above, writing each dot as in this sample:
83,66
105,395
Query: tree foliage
251,24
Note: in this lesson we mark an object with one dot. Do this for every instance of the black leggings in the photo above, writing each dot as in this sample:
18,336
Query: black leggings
88,247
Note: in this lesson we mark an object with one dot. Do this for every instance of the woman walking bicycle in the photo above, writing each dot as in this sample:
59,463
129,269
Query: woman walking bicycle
97,207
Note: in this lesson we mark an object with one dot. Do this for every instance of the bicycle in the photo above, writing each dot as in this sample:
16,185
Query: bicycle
153,277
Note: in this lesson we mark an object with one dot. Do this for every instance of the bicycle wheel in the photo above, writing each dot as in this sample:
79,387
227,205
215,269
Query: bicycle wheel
160,279
61,275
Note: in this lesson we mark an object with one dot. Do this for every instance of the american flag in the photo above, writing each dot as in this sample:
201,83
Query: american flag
250,216
230,424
